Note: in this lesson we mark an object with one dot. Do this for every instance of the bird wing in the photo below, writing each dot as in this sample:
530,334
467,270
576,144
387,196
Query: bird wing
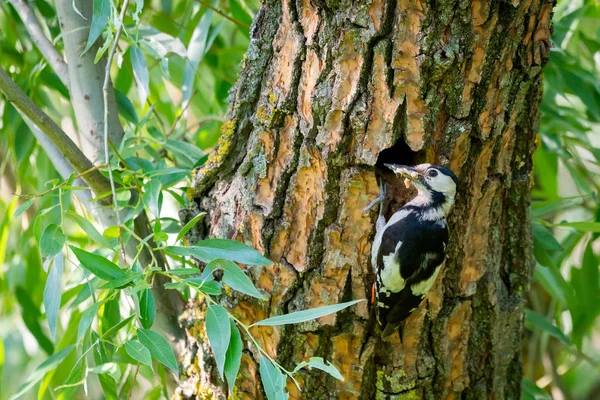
413,249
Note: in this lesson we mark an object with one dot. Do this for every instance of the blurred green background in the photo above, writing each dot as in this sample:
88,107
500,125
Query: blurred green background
562,347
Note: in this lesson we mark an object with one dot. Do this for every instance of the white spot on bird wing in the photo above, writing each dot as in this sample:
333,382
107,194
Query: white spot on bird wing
423,287
382,305
390,275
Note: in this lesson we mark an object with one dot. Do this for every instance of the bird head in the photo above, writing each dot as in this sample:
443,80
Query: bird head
428,179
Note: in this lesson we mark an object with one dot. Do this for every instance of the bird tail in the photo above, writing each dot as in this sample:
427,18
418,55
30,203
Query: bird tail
391,328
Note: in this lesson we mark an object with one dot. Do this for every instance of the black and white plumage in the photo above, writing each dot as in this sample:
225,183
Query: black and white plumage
409,249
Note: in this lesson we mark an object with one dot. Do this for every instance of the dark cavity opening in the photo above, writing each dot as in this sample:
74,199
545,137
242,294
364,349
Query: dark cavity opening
396,193
399,153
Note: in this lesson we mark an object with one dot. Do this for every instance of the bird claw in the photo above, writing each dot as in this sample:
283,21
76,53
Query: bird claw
379,199
372,204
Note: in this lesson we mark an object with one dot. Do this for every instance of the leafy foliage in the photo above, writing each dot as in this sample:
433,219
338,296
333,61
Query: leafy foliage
564,298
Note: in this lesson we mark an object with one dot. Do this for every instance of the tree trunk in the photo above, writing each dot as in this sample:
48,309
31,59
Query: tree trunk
330,90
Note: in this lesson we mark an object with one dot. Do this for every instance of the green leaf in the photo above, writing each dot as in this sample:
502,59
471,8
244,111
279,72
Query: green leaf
211,249
89,229
273,380
1,356
189,225
109,387
122,282
196,50
233,356
319,363
535,321
233,276
100,18
185,151
109,368
150,198
87,318
98,265
51,363
184,271
140,72
544,238
115,328
541,208
23,207
174,285
159,348
160,44
582,226
53,293
126,109
138,352
77,375
530,391
108,39
31,317
139,5
147,308
218,330
306,315
239,13
52,241
210,287
554,283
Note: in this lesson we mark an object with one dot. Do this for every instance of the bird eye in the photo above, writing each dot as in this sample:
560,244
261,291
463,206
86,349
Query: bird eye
432,173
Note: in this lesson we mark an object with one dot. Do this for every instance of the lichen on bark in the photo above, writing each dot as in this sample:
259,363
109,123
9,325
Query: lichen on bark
328,91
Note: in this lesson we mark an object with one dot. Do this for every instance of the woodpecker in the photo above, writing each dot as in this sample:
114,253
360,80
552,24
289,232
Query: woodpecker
409,249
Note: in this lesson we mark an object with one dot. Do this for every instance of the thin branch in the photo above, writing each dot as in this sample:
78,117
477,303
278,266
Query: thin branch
137,369
61,185
105,90
70,151
222,14
40,40
178,118
202,121
62,166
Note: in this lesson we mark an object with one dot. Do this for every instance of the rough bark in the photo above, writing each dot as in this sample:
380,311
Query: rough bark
331,89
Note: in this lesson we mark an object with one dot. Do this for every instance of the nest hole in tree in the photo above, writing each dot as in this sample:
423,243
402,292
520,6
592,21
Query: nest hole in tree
396,193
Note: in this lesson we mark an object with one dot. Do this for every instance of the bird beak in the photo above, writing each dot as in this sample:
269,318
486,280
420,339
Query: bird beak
405,171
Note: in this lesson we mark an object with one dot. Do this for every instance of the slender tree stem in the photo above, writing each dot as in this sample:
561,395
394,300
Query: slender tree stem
44,44
222,14
105,89
71,152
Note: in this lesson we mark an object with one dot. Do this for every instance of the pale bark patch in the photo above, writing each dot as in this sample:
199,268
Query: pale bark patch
383,109
406,64
305,206
311,68
276,163
285,46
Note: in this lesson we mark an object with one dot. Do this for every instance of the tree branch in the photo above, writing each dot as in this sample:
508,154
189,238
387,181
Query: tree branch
106,90
97,182
223,14
60,163
44,44
86,80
